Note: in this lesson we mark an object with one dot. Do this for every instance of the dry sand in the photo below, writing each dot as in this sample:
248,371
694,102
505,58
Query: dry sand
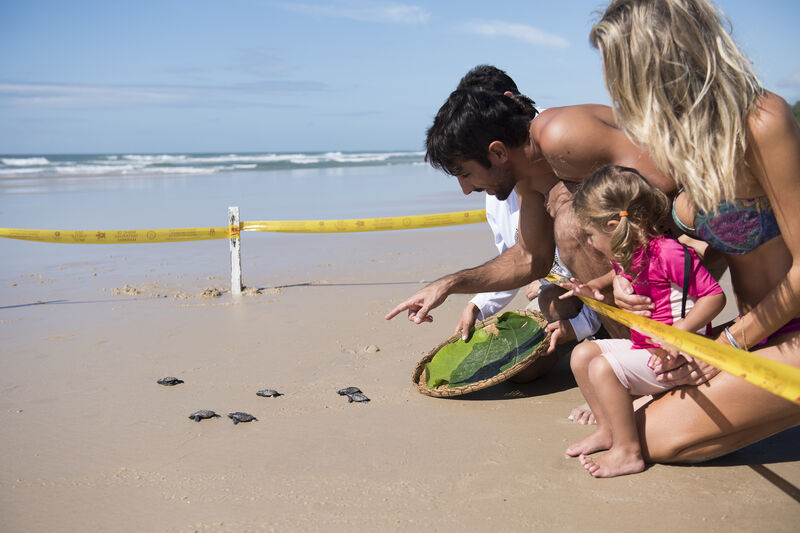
90,442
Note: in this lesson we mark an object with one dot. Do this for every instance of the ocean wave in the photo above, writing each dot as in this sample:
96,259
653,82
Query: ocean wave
298,158
131,165
18,172
131,170
24,162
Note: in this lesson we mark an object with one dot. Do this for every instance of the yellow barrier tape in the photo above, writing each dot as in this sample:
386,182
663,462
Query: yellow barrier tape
778,378
130,236
367,224
283,226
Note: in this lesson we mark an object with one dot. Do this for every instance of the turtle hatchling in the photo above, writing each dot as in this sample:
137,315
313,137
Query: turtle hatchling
356,397
348,391
202,414
169,381
241,417
269,393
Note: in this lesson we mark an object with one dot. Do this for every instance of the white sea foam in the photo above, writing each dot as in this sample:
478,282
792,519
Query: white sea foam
131,170
296,158
131,165
13,172
25,162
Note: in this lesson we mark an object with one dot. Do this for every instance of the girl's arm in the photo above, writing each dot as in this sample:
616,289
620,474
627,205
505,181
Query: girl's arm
704,311
590,289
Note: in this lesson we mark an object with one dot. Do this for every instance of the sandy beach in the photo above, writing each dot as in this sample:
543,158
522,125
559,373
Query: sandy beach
161,116
91,442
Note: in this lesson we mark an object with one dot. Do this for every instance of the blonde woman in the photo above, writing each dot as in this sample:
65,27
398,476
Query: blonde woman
682,89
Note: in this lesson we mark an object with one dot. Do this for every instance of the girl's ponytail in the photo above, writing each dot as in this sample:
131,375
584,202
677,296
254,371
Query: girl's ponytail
622,194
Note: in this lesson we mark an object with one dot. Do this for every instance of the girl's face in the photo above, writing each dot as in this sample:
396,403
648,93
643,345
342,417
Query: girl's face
600,240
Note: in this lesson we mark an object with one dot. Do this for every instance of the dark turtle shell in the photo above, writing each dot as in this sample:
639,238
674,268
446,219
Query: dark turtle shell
357,397
202,414
241,417
269,393
348,391
169,381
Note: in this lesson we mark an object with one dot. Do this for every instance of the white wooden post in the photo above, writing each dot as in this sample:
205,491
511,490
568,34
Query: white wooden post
236,251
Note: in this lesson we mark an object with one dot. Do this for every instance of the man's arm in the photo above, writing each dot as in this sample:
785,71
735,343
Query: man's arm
529,259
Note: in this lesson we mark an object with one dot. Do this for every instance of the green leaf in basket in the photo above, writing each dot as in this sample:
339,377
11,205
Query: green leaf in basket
486,354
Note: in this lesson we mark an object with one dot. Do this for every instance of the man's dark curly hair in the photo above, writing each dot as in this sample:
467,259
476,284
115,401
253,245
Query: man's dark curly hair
468,122
494,80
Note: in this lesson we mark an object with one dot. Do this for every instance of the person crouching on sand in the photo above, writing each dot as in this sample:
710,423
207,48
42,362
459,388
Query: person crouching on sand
623,214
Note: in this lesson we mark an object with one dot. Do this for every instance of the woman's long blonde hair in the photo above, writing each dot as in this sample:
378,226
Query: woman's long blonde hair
681,88
620,193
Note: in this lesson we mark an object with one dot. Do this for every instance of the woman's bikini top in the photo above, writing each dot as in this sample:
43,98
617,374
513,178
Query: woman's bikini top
737,227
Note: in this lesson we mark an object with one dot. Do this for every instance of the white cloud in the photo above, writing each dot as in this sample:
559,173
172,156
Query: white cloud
521,32
364,11
64,96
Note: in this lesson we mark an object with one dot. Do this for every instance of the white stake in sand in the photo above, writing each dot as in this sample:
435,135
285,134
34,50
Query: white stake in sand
236,251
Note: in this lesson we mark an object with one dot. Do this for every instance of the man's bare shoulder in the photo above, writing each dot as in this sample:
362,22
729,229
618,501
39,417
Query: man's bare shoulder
559,127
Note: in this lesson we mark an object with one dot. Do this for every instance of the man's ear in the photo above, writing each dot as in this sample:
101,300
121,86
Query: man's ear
498,152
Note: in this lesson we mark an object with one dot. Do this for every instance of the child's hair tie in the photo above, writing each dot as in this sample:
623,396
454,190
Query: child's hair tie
623,214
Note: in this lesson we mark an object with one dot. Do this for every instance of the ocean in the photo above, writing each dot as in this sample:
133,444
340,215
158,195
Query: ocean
133,191
150,191
130,165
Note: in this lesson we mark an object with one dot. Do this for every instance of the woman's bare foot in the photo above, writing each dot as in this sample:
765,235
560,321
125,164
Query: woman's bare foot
614,463
599,439
582,415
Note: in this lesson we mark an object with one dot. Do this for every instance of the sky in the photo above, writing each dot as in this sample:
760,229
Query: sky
177,76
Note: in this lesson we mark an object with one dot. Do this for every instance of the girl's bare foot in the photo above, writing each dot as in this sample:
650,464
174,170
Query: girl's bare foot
614,463
599,439
582,415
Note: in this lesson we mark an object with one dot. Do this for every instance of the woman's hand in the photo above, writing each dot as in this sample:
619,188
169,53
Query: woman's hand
682,370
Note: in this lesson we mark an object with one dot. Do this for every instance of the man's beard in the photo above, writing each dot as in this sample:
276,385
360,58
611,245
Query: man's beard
503,194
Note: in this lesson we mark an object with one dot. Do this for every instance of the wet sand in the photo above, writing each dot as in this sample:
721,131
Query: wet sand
91,442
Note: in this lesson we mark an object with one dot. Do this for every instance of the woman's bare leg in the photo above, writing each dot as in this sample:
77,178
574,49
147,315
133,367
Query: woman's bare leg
693,424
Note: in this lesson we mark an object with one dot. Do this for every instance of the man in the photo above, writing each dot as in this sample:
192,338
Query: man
490,144
571,320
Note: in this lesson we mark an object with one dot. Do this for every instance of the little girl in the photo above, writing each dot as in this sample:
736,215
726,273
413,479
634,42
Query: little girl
622,213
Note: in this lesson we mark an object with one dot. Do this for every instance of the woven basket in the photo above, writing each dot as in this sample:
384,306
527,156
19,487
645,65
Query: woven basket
444,391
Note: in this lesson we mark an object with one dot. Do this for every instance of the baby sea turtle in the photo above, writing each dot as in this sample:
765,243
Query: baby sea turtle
169,381
202,414
269,393
241,417
348,391
356,397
